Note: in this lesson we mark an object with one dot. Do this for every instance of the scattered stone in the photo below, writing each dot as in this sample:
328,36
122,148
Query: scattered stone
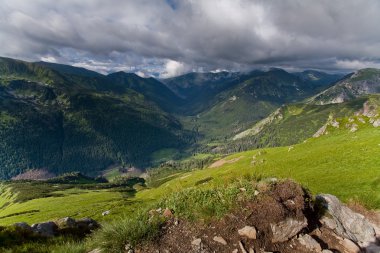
129,248
376,123
242,189
255,193
285,230
95,251
242,247
327,251
45,229
309,242
106,213
235,251
220,240
167,213
197,242
248,231
251,250
343,221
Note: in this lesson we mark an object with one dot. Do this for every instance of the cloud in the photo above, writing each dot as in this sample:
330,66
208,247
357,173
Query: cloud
170,37
174,68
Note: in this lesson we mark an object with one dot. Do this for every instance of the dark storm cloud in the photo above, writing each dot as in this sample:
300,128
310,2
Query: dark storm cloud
175,36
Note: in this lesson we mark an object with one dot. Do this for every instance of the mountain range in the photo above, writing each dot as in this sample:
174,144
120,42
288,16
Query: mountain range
63,118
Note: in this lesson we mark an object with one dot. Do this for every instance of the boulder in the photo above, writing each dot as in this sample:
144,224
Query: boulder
343,221
86,225
286,229
23,226
309,243
45,229
66,223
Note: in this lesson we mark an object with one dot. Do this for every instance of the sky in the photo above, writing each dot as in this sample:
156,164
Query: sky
166,38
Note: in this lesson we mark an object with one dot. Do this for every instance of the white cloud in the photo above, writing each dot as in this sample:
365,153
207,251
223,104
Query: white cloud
48,59
174,68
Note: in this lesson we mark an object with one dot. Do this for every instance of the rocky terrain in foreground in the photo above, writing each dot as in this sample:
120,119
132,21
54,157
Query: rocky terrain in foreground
282,218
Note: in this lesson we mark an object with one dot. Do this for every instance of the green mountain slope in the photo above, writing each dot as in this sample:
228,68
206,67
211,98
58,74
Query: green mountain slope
252,100
293,123
362,82
342,162
65,122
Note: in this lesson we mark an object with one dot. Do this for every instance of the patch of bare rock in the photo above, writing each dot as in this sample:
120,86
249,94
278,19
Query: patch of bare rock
283,218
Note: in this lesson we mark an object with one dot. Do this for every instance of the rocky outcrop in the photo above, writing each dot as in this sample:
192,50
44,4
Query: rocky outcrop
64,226
282,218
343,221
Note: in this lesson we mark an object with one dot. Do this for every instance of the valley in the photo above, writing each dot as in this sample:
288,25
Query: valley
111,144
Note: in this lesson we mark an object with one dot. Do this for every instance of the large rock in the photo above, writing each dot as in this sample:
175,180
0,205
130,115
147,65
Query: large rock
86,225
23,226
66,223
343,221
286,229
309,243
45,229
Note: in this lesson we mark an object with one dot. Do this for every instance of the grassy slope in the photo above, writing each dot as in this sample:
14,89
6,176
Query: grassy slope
342,163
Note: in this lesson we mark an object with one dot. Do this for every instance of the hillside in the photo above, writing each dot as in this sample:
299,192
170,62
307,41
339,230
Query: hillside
325,164
294,123
252,98
70,122
362,82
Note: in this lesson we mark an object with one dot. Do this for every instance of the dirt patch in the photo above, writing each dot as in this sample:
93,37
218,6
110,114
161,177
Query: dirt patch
281,200
221,162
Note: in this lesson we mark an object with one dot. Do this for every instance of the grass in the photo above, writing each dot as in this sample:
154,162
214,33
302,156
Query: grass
341,163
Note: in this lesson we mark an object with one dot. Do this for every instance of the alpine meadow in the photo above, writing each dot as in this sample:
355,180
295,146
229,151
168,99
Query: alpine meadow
189,126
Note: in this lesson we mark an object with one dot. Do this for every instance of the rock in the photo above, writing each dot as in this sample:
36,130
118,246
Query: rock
23,226
235,251
372,249
376,123
309,242
66,223
349,246
284,230
196,242
255,193
45,229
220,240
95,251
251,250
106,213
248,231
86,225
343,221
167,213
242,247
327,251
242,189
